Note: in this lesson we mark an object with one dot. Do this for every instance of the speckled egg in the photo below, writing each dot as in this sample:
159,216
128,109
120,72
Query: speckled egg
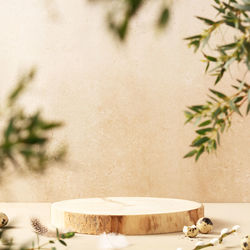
245,243
205,225
3,220
190,231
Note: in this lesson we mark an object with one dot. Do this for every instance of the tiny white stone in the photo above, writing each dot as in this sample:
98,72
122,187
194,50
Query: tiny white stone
193,226
179,248
185,229
214,241
236,227
224,231
199,243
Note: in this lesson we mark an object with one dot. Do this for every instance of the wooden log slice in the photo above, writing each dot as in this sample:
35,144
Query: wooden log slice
125,215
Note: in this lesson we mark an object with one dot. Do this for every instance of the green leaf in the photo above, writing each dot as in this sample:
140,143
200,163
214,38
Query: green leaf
214,99
219,94
216,112
230,61
206,20
62,242
190,154
238,99
57,233
207,67
228,46
51,242
214,144
200,141
204,131
242,84
220,75
67,235
193,37
232,24
196,108
220,10
201,150
223,125
21,86
188,114
9,130
164,17
234,107
248,95
242,7
197,121
188,120
210,58
248,108
50,125
195,44
205,123
34,140
218,137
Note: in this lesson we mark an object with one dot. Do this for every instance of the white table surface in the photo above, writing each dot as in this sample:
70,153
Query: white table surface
222,214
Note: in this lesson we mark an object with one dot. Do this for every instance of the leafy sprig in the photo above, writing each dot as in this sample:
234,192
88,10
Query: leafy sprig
235,16
122,13
212,118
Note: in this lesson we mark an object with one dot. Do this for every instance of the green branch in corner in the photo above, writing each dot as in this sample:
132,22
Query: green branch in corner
213,117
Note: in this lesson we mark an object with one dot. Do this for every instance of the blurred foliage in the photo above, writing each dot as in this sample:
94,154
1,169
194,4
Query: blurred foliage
122,12
213,117
24,138
8,243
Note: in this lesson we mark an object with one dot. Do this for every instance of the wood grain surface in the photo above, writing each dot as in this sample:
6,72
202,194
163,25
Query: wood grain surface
125,215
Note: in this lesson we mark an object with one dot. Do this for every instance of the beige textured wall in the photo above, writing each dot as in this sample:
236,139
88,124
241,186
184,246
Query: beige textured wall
122,104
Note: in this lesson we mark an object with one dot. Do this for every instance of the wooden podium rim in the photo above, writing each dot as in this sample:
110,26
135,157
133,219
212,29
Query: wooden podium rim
60,205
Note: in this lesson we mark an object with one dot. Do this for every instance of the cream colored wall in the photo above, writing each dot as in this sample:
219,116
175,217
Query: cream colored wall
122,104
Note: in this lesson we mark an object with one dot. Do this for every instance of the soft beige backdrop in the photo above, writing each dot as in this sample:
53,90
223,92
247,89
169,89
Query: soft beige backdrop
122,104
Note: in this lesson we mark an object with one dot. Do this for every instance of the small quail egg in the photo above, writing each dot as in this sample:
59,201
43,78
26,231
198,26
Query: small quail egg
245,243
205,225
190,231
3,220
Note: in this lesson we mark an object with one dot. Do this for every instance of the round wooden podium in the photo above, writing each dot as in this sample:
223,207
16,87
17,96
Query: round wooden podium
125,215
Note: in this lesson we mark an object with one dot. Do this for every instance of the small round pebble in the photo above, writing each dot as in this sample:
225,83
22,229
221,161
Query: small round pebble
205,225
245,243
3,220
190,231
